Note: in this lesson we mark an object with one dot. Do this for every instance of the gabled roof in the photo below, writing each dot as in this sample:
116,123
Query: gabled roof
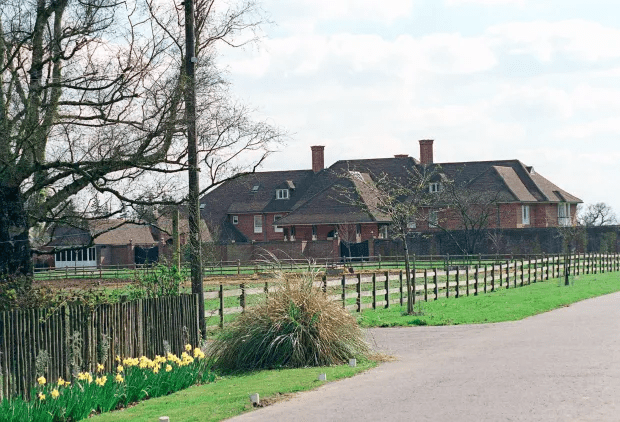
104,232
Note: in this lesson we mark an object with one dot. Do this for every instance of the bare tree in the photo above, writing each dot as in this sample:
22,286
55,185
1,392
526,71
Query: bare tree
402,201
91,102
599,214
469,210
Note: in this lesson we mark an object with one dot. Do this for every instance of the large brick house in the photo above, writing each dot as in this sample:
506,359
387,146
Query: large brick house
307,205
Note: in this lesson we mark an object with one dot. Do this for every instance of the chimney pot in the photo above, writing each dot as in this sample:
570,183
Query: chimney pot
426,151
318,158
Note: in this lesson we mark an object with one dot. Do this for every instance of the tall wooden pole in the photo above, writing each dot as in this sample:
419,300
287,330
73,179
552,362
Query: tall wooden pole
192,152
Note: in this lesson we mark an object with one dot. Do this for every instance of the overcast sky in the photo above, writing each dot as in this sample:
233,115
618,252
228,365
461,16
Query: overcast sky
534,80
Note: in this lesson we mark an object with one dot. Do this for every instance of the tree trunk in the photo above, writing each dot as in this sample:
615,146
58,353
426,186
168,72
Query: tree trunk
408,277
15,255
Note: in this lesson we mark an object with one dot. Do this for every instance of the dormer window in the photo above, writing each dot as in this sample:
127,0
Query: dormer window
255,188
434,187
282,194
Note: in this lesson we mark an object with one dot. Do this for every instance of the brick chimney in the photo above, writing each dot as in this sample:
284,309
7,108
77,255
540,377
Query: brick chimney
401,156
318,158
426,151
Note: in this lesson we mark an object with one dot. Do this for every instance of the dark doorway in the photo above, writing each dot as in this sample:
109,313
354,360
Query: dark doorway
146,255
354,251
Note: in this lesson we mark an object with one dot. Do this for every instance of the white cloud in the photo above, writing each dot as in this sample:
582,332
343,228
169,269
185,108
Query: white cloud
577,38
486,2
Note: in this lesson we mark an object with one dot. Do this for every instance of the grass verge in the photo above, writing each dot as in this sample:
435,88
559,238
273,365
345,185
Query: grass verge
228,396
502,305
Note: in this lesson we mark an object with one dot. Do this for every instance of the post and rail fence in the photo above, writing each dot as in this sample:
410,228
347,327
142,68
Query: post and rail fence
445,276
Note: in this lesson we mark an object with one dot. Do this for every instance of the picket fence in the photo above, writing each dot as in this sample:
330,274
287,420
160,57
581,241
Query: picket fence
385,288
77,337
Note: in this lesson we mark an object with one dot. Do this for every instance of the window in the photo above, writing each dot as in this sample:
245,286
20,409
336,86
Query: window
235,219
281,193
255,188
564,214
292,232
411,225
258,224
313,232
358,230
434,187
383,232
432,219
276,228
525,214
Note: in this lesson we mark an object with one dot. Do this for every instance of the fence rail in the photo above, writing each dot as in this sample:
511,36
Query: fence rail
77,337
447,277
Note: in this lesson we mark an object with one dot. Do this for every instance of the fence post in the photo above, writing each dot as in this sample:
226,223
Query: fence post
425,284
501,275
359,292
221,297
374,290
457,282
485,278
476,280
379,261
467,279
435,284
447,281
529,269
344,291
508,274
566,270
522,272
387,289
493,276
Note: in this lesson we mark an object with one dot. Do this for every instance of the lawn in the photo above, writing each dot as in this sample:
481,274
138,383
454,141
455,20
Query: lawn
502,305
229,396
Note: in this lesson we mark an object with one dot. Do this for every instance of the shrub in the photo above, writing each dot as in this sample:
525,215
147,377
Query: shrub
295,326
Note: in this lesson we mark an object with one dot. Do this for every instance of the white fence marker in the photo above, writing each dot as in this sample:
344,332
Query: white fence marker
353,362
255,399
322,377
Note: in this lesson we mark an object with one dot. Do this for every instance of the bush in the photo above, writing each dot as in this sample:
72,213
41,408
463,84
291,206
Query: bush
295,326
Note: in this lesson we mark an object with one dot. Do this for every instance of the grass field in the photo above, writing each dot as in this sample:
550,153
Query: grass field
502,305
229,396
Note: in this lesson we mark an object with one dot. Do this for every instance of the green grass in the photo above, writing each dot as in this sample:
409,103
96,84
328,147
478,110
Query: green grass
229,396
502,305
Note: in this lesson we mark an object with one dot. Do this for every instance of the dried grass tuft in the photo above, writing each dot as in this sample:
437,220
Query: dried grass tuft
295,326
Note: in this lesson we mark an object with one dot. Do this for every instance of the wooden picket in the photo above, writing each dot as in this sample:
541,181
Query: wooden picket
75,337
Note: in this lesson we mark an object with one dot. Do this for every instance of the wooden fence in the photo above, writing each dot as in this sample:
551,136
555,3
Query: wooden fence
76,337
382,289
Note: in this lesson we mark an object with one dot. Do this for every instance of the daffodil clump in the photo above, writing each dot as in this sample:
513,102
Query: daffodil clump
133,380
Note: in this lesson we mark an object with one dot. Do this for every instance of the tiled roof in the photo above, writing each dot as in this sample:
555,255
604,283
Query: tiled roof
105,232
316,198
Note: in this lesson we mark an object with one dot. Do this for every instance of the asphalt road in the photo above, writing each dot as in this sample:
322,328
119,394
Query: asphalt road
563,365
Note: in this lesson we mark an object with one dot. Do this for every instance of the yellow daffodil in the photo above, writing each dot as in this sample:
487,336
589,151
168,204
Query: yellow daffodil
156,370
188,347
198,353
118,358
119,378
101,381
120,368
55,393
99,367
168,368
41,396
41,380
61,382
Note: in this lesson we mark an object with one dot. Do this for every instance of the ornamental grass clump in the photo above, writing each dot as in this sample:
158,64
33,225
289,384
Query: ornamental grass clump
294,326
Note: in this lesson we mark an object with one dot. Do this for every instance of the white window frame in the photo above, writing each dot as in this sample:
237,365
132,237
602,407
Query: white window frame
412,225
383,232
433,219
314,231
526,216
434,187
564,214
282,194
235,219
277,228
258,224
